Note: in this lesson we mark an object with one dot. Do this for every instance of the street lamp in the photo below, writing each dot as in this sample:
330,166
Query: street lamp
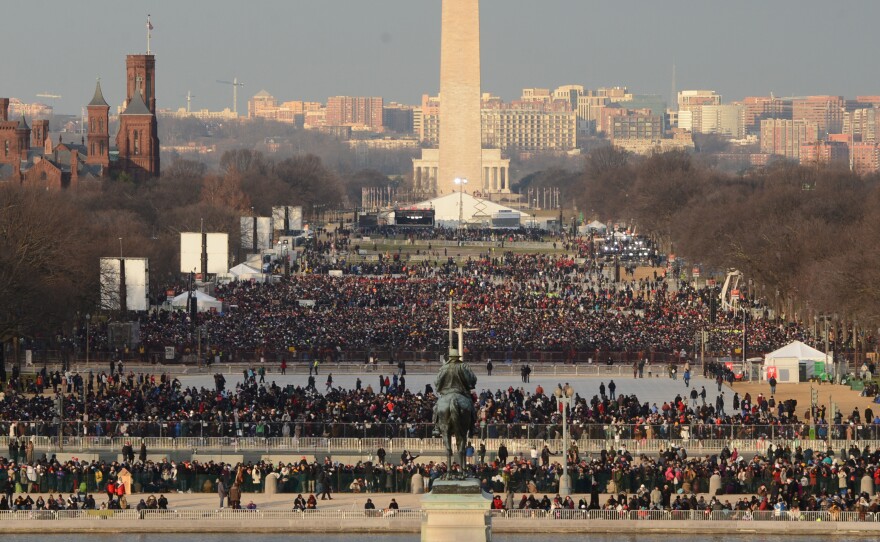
563,399
88,325
460,182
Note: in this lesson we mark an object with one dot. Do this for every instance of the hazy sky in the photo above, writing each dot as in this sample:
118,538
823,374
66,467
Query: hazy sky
390,48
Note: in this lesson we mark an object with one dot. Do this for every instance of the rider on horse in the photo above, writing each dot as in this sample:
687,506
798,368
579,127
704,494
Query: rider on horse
454,379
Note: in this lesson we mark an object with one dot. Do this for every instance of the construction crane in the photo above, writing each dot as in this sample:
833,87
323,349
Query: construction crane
189,97
235,84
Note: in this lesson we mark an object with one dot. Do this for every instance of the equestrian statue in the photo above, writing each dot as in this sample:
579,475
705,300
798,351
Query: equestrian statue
454,413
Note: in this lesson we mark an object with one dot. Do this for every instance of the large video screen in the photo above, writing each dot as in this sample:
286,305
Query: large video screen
414,217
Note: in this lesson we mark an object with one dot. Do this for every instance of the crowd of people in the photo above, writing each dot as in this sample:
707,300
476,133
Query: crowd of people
515,303
134,406
125,404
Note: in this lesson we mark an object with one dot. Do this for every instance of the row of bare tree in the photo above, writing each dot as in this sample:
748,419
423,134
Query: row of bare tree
805,235
51,242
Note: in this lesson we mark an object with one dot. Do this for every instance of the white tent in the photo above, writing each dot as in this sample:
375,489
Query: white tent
243,269
785,363
472,210
205,302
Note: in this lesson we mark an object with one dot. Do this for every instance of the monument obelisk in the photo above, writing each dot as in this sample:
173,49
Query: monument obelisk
460,136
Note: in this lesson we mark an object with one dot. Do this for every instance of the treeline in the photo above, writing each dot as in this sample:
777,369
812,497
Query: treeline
806,236
50,242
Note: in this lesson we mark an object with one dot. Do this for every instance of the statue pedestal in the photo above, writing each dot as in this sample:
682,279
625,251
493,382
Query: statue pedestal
457,511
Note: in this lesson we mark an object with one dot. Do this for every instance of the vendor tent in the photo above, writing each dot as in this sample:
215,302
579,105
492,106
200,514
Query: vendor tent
794,362
243,269
205,302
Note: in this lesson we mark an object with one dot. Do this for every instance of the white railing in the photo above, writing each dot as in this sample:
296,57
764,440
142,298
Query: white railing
196,514
515,446
372,515
683,515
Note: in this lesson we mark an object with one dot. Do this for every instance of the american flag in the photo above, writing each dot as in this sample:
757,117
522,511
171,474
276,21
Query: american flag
149,24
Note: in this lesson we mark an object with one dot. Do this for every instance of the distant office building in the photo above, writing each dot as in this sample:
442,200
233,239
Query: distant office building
824,152
525,129
865,157
536,125
262,105
615,94
636,124
725,120
541,95
785,137
692,102
680,141
825,111
861,124
590,104
589,108
758,108
398,118
201,114
570,94
18,108
360,113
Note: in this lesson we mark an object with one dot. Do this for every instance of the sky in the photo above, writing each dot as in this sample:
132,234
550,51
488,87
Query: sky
298,50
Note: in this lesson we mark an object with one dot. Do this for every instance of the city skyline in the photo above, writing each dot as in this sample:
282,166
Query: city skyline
305,51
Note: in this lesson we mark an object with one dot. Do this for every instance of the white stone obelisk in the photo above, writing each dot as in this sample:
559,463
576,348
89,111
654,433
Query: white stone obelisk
460,131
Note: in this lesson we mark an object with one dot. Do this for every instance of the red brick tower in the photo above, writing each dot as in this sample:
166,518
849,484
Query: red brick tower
136,141
138,137
39,133
99,129
23,131
140,74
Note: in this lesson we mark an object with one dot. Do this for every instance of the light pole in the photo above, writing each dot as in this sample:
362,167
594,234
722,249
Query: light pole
88,325
745,318
460,182
563,399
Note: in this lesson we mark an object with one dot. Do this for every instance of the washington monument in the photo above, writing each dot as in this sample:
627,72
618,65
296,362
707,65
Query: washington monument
460,154
460,138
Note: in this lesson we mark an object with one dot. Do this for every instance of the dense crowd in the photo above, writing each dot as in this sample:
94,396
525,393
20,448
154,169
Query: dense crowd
782,478
143,405
516,303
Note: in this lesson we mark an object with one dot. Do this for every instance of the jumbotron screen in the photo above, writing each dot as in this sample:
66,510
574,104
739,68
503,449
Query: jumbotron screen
414,217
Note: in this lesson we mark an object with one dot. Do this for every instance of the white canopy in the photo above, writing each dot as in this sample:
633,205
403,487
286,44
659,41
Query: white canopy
243,269
205,302
797,350
785,363
472,210
596,225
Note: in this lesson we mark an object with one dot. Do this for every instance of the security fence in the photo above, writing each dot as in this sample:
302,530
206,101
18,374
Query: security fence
498,516
174,434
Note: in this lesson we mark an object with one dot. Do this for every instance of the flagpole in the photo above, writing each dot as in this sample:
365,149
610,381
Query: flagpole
149,33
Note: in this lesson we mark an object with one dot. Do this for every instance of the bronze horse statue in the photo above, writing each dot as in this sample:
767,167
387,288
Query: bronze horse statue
454,413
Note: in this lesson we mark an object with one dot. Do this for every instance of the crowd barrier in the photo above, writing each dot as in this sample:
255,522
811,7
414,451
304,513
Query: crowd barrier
497,515
173,434
392,446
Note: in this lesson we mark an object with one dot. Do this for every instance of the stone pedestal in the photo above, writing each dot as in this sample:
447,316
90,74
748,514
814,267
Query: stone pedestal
417,484
714,484
457,511
271,483
867,485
